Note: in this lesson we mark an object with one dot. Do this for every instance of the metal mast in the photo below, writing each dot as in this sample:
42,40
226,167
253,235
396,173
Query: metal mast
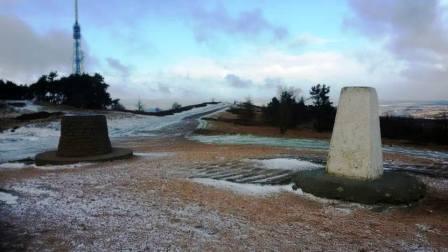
77,53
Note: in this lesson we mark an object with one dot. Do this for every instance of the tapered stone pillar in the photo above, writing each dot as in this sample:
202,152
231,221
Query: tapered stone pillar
355,148
83,136
83,139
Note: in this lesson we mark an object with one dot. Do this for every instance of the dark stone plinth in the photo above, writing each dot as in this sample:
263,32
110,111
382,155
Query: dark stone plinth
390,188
83,139
51,157
84,136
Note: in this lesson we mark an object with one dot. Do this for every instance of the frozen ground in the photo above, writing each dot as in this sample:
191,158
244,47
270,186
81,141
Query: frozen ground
148,204
247,189
313,144
255,176
285,164
99,205
8,198
20,165
151,202
27,141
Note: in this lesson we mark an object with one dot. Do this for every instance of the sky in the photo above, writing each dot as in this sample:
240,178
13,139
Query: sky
192,51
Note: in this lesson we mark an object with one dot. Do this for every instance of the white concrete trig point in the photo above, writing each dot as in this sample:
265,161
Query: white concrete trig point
355,148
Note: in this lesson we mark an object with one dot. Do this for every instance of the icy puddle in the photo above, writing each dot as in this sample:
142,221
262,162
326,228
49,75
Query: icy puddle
313,144
253,173
154,154
246,189
285,164
258,140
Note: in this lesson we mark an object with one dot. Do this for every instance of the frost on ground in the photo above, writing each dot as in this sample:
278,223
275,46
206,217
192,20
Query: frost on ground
285,164
258,140
154,154
105,206
19,165
247,189
8,198
312,144
13,166
148,204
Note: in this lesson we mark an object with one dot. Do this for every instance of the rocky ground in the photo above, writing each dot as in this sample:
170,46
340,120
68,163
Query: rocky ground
150,203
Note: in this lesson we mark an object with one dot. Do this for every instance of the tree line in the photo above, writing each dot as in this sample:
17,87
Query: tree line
287,111
80,91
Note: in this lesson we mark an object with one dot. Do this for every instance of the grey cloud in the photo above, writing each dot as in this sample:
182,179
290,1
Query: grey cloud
415,33
119,67
306,39
25,54
208,23
274,82
237,82
163,88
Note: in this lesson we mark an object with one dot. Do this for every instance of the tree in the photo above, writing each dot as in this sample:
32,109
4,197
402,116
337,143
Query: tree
246,113
300,112
287,102
116,105
323,110
81,91
85,91
139,106
271,112
319,95
11,91
176,106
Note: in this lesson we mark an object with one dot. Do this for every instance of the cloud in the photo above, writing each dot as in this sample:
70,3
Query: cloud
163,88
248,24
265,70
116,65
415,33
25,54
307,39
274,82
237,82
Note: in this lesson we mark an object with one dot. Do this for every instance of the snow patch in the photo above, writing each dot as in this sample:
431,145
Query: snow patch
154,154
8,198
203,124
61,167
140,125
32,190
285,164
247,189
12,166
